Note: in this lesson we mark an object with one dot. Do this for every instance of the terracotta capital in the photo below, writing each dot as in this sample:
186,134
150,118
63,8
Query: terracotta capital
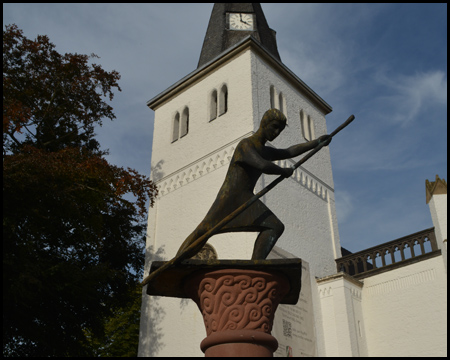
236,303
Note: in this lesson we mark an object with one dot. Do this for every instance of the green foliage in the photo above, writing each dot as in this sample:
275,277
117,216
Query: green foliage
121,335
72,244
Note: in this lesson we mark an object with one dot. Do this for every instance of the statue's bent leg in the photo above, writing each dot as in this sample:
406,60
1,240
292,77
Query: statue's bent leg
198,232
267,238
258,217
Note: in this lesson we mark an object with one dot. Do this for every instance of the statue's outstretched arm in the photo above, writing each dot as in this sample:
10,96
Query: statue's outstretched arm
252,158
295,150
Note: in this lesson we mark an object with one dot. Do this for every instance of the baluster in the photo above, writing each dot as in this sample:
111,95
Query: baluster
358,259
374,258
402,250
421,241
355,266
365,262
392,250
344,267
383,260
351,267
411,246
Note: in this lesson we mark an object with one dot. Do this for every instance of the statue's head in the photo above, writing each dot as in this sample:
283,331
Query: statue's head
273,121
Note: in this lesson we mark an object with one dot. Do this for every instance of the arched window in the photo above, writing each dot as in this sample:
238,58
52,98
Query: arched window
311,128
185,122
176,127
282,103
303,122
213,106
223,100
273,99
307,126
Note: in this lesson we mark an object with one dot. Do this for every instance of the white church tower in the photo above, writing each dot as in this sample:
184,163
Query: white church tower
198,122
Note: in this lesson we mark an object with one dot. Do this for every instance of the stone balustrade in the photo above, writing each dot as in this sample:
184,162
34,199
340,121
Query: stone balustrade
394,253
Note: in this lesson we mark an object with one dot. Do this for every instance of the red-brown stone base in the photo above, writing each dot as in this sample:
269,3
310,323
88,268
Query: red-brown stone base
239,343
238,307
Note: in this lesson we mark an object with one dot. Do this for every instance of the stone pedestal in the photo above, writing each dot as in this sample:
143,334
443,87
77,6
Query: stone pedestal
237,299
239,343
238,307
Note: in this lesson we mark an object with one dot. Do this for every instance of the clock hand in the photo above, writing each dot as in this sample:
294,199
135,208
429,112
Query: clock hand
242,21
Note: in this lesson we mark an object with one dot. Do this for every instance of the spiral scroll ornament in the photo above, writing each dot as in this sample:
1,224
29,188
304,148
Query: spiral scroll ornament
238,299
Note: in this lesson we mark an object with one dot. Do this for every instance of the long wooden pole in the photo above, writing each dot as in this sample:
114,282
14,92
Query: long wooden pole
204,238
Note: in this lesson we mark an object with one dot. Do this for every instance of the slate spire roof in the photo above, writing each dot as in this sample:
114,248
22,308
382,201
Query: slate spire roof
219,38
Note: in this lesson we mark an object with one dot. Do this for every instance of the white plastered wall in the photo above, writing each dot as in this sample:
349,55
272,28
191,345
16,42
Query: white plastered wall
342,319
405,310
438,210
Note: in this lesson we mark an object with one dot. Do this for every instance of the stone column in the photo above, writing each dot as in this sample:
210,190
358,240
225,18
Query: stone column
238,308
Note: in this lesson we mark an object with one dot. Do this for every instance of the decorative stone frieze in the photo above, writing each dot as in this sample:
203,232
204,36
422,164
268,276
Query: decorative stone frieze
222,157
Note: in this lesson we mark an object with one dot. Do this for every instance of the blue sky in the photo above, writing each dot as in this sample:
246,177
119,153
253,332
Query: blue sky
385,63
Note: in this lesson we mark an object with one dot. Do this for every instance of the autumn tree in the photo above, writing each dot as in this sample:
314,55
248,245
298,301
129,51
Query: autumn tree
73,224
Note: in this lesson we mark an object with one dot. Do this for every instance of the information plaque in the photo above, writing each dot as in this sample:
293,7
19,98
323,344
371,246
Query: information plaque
293,325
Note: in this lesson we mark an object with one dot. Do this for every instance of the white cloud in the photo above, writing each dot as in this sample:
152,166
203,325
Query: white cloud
413,94
319,45
344,205
397,114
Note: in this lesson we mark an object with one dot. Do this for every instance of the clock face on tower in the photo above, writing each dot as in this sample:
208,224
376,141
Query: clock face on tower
241,21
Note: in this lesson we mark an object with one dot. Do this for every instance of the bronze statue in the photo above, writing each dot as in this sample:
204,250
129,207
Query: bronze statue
251,159
236,208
